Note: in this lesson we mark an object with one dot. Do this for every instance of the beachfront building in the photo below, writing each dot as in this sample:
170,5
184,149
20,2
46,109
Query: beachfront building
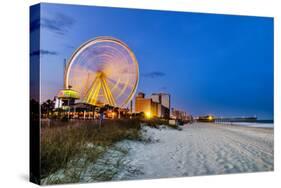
145,105
155,106
164,100
180,115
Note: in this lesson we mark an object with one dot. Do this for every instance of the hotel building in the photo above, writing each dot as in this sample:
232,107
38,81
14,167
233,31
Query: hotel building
156,106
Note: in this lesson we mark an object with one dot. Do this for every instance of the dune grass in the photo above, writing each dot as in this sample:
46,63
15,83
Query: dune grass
79,143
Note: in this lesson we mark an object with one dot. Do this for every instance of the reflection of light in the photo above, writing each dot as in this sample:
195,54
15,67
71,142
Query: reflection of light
210,118
148,115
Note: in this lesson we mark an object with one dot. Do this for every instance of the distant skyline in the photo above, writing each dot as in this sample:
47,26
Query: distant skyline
209,63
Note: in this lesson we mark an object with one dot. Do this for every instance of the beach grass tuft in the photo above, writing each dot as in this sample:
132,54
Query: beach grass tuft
77,143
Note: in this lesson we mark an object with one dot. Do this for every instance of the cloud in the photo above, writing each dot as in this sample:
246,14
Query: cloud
154,74
59,24
43,52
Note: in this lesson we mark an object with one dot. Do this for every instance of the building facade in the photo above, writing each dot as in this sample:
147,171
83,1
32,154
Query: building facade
164,100
156,106
180,115
145,105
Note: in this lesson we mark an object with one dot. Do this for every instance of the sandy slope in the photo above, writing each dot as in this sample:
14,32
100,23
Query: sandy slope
199,149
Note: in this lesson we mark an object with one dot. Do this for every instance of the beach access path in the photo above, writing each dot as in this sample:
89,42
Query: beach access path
198,149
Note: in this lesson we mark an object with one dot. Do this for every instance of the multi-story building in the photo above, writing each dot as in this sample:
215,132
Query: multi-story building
145,105
156,106
164,100
180,115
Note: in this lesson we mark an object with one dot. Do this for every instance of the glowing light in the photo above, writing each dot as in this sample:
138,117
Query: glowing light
68,93
113,114
210,118
148,115
103,70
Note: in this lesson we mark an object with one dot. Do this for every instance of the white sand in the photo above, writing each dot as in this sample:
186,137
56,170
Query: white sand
199,149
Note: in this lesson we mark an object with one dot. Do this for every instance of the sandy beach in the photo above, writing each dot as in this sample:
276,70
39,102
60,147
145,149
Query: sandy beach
199,149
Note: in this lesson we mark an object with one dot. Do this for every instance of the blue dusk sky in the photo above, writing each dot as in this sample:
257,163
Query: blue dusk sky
209,63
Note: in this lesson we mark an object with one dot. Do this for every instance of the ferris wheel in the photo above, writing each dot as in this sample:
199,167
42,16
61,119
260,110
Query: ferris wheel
103,71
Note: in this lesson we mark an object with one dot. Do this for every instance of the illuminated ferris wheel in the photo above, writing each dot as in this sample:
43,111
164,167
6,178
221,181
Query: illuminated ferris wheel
103,71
